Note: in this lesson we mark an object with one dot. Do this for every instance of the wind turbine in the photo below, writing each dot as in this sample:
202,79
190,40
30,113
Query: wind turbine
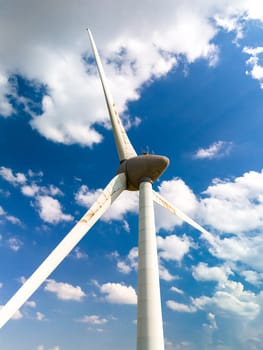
135,173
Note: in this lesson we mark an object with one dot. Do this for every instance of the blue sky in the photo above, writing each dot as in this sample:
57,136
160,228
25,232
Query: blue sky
187,78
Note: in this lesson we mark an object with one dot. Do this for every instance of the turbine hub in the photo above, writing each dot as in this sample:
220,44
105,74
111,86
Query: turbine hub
147,167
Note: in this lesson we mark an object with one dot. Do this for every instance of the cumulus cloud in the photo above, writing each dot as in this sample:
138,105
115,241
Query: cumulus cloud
130,263
241,197
178,194
50,210
173,247
13,178
64,291
231,298
202,272
117,293
218,149
244,248
57,56
126,202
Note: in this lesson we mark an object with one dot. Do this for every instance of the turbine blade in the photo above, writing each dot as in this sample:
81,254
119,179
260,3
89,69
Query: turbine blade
123,144
106,198
167,205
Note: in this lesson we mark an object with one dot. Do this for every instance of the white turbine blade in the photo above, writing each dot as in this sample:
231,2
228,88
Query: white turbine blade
123,144
167,205
109,194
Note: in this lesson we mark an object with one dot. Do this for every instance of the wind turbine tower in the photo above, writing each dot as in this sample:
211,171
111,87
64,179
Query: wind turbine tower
135,173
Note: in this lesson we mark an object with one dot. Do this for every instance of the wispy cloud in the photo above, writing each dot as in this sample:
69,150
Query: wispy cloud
93,319
14,220
218,149
180,307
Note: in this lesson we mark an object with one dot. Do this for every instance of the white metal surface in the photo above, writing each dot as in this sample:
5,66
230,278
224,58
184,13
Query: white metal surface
167,205
110,193
149,312
123,144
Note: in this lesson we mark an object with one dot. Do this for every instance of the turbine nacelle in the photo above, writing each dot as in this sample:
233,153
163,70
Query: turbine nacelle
147,167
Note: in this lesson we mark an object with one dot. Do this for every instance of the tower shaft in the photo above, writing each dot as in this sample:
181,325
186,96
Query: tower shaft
149,312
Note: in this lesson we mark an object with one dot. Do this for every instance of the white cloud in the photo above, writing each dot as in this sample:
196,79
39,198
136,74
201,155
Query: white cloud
64,291
176,290
255,68
93,319
50,210
218,149
253,277
78,254
211,325
31,304
123,267
202,272
40,347
30,190
231,298
244,248
165,274
134,51
173,247
235,206
6,108
130,263
14,220
181,196
40,316
117,293
173,305
8,175
127,202
14,244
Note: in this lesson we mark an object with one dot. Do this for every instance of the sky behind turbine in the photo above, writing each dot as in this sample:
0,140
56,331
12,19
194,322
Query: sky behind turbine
187,77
